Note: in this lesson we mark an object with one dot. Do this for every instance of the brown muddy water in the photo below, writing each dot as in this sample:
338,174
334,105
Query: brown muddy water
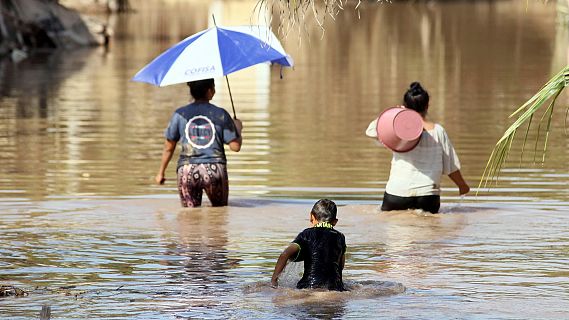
84,230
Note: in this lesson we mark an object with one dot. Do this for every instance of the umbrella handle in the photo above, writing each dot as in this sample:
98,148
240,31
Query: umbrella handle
227,80
231,97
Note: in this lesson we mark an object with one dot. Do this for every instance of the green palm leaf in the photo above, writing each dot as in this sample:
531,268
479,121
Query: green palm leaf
549,92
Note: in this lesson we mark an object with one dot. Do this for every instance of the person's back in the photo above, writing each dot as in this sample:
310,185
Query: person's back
321,249
415,176
418,172
203,129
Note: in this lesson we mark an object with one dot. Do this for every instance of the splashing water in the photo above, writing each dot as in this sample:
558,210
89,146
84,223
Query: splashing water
291,274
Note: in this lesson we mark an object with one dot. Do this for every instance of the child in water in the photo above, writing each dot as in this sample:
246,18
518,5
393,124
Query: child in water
321,247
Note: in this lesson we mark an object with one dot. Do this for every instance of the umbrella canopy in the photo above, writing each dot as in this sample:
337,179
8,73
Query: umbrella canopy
214,52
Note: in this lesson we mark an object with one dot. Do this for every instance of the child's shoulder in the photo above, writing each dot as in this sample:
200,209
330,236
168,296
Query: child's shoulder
330,230
340,234
305,231
316,229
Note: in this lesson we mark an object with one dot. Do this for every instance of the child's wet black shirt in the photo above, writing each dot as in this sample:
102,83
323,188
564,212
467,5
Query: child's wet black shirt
321,249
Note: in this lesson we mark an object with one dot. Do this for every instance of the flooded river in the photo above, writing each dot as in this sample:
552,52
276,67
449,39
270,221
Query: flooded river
84,230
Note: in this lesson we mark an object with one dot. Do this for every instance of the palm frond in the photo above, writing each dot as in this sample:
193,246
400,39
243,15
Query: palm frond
549,92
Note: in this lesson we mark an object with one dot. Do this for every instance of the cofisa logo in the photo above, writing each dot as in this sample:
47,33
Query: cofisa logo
200,70
200,132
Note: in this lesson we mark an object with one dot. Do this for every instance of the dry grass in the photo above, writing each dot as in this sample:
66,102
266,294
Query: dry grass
289,15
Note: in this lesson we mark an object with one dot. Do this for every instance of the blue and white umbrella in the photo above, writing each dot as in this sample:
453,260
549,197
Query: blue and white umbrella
214,52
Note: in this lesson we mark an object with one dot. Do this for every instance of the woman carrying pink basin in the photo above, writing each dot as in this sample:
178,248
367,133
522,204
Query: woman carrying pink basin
421,156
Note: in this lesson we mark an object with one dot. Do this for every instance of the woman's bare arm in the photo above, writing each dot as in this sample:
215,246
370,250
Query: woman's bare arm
235,145
457,178
169,148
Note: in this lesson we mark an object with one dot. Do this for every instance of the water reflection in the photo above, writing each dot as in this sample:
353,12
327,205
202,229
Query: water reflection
140,258
466,75
319,308
79,144
409,238
74,125
202,241
32,82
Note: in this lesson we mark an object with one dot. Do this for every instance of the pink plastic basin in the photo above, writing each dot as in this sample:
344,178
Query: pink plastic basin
399,129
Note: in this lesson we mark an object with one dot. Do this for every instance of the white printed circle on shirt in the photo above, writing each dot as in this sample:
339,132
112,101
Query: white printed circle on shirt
200,132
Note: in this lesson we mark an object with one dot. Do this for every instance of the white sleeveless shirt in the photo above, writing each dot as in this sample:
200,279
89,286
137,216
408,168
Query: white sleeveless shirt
418,172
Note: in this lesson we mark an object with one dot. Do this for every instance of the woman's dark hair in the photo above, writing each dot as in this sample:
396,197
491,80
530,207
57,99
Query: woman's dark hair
324,210
198,88
416,98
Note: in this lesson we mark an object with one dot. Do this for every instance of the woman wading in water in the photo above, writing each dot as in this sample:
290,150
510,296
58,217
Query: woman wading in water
415,176
203,129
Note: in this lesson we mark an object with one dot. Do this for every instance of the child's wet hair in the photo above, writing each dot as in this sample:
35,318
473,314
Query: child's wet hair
324,210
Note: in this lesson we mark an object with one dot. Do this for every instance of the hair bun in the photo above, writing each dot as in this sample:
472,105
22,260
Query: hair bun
415,88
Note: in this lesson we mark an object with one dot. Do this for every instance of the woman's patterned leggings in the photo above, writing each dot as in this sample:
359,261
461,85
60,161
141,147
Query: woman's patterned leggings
193,179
